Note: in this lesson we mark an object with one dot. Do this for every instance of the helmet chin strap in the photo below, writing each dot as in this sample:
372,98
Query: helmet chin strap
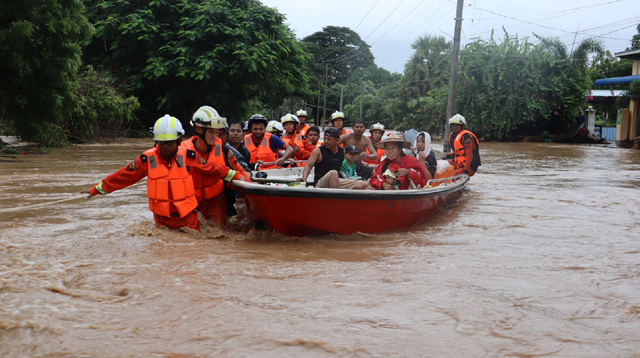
204,140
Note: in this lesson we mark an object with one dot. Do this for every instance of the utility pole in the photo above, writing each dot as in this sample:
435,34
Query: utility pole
326,74
341,95
318,106
361,97
453,79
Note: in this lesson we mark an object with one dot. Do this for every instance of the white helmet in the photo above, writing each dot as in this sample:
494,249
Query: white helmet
377,126
457,119
167,128
336,115
274,126
208,117
289,118
301,113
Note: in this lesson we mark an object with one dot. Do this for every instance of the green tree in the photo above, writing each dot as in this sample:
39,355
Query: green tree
178,55
635,40
428,67
343,50
606,65
40,46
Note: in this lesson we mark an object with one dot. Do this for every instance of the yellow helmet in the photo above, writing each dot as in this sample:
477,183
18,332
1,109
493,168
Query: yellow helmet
457,119
167,128
274,126
289,118
301,113
208,117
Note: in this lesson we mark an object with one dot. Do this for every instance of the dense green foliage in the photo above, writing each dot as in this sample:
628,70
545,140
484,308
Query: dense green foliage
510,84
40,46
178,55
99,111
340,47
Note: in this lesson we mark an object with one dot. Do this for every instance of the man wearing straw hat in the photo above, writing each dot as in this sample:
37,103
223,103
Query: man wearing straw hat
408,169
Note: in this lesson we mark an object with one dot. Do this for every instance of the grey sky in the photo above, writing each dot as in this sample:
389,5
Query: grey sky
392,25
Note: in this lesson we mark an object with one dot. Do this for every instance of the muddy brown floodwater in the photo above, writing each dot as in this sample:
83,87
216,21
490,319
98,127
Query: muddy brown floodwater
540,256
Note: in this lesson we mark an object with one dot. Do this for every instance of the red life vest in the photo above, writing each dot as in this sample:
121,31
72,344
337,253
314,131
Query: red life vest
262,151
207,187
458,149
172,184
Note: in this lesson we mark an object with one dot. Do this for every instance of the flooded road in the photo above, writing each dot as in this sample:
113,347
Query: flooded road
540,256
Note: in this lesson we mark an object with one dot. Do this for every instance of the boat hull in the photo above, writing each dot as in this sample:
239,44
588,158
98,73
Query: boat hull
301,212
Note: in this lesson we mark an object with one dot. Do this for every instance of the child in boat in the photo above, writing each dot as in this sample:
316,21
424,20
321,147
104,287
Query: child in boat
348,168
401,182
391,178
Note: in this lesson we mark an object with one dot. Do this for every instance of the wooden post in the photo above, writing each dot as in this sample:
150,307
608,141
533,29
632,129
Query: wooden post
326,75
453,79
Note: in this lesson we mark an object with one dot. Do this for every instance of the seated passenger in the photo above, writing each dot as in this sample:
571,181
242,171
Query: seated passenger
348,168
422,151
407,166
327,161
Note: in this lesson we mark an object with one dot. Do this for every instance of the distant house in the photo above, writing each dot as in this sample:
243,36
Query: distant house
626,118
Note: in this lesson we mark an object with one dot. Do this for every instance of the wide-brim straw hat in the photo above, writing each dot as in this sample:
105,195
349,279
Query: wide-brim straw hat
393,138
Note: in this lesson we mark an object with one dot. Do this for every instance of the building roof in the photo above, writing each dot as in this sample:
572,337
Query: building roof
616,80
632,55
606,93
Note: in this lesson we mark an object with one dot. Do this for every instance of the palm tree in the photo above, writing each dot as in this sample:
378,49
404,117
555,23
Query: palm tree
428,66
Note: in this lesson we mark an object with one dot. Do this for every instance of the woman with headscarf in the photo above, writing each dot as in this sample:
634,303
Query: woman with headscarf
422,151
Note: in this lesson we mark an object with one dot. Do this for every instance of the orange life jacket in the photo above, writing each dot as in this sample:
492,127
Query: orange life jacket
262,151
207,187
458,149
170,184
303,128
448,173
294,140
380,155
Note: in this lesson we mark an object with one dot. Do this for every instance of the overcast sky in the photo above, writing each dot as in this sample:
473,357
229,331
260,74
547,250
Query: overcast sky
391,26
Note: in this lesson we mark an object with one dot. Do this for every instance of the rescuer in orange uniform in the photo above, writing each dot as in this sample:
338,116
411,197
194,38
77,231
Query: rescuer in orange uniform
210,148
264,146
313,136
168,166
303,127
293,137
465,149
375,134
337,121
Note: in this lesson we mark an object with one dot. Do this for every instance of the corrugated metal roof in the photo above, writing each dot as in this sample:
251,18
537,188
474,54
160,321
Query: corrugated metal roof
616,80
606,93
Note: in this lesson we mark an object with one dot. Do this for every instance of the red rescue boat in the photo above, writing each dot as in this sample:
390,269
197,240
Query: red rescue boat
342,211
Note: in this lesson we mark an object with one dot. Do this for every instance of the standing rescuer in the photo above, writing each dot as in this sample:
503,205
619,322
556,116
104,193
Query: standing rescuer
376,132
337,121
209,147
303,126
264,147
293,137
465,149
168,166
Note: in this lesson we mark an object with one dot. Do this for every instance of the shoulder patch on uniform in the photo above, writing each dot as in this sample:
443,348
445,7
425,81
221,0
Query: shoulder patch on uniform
133,166
202,161
143,158
191,154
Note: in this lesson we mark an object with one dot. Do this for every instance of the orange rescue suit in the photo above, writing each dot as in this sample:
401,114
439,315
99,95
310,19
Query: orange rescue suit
303,128
209,186
167,185
380,153
467,156
262,151
296,142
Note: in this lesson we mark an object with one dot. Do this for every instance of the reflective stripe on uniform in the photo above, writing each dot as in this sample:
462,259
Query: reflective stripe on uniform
230,176
100,190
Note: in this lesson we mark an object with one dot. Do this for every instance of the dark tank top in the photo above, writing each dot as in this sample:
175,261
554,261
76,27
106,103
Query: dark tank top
329,162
